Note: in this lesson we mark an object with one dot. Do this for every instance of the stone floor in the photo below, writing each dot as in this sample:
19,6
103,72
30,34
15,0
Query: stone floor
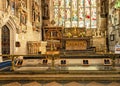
36,68
60,83
12,79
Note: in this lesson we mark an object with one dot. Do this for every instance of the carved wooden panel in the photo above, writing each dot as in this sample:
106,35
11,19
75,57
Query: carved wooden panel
54,33
53,36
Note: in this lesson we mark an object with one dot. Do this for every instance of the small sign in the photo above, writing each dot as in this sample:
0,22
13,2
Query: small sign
117,49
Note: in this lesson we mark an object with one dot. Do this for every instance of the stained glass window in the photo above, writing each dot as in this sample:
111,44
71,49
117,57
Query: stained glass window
75,13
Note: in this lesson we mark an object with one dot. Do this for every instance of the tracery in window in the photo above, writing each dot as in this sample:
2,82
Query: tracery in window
75,13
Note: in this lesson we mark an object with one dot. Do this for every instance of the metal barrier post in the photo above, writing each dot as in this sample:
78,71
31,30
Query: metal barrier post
13,67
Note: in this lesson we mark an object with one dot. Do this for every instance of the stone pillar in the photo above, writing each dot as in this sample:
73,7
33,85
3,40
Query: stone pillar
103,29
0,47
103,24
29,6
103,9
1,5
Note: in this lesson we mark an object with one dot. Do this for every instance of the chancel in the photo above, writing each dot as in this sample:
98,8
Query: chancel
65,41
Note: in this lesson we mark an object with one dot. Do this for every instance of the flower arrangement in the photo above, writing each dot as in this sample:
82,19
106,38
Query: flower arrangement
69,34
82,34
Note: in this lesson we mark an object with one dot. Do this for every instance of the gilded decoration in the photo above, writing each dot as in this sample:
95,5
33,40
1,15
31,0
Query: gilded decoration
75,32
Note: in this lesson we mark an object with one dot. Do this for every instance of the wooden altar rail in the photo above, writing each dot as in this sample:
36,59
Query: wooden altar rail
113,57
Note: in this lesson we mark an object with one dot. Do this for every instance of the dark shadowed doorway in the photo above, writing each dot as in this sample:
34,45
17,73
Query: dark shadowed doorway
5,41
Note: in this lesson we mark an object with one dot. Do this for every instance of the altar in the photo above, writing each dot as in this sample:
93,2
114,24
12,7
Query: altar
82,43
75,39
76,43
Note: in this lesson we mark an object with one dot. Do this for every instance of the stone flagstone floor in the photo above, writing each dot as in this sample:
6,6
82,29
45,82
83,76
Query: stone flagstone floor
54,83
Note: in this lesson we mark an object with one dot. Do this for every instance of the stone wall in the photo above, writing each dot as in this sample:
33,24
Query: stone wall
113,26
19,32
30,34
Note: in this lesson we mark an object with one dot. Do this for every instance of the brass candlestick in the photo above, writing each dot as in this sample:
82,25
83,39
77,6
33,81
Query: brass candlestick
75,33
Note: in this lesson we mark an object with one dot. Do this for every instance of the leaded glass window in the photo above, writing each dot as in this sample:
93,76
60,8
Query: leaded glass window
75,13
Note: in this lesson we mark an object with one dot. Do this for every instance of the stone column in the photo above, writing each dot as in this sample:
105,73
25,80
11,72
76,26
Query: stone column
1,5
103,24
0,47
29,6
103,28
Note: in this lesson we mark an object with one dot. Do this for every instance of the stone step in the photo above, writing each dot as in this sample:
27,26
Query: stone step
57,83
61,77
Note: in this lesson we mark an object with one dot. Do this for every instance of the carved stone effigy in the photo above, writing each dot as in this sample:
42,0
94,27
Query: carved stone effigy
33,47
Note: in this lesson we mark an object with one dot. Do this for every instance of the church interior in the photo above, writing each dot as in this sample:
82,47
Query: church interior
62,40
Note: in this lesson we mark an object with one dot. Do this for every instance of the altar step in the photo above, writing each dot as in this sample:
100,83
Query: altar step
90,51
60,77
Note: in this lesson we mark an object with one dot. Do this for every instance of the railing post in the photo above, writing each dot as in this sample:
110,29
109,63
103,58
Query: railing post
113,61
53,61
13,66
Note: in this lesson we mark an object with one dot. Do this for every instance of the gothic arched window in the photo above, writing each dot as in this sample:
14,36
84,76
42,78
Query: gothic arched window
5,40
75,13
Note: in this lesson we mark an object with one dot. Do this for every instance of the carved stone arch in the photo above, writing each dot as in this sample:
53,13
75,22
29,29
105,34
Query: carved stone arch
12,28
